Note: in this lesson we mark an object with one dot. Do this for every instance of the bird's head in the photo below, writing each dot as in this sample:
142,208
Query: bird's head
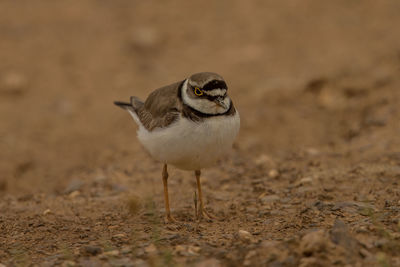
206,92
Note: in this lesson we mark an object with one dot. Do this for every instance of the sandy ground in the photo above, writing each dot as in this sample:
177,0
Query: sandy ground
313,179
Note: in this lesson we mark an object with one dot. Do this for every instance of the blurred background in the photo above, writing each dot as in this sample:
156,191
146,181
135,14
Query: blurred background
63,63
317,86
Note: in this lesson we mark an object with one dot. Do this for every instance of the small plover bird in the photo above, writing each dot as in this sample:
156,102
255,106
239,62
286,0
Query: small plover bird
189,124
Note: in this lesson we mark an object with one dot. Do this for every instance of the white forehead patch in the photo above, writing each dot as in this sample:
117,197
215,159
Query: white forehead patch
215,92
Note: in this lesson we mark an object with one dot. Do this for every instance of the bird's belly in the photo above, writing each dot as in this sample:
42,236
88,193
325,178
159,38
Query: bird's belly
192,145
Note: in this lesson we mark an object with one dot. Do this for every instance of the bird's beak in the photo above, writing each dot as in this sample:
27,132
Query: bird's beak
220,102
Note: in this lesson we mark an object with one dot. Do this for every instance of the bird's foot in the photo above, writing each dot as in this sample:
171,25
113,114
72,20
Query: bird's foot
169,219
204,215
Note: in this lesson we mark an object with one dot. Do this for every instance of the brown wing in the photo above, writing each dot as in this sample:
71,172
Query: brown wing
161,108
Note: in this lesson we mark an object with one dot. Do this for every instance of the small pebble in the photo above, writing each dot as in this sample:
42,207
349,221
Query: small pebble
74,185
263,160
195,249
187,250
315,241
245,236
48,211
74,194
273,173
312,151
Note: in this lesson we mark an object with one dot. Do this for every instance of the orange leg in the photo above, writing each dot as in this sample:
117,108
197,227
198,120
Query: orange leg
168,217
202,211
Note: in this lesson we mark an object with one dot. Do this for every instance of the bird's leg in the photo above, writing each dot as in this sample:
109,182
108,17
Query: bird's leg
202,211
196,214
168,217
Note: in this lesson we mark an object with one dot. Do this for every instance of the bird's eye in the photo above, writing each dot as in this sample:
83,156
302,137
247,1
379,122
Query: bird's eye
198,91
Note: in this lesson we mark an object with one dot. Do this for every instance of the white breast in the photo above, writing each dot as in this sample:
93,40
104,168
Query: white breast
192,145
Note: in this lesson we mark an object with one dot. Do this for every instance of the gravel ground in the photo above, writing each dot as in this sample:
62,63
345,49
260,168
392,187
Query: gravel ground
313,179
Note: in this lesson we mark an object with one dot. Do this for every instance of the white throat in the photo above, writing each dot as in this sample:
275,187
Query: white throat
203,105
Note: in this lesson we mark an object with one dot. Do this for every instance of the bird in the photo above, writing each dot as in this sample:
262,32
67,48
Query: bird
190,124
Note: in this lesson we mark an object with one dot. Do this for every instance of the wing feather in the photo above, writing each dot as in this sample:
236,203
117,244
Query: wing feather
161,108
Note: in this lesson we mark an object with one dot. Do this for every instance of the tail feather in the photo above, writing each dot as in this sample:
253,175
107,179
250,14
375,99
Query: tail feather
136,103
123,105
132,107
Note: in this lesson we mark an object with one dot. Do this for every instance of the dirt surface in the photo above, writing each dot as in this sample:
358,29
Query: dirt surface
313,179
